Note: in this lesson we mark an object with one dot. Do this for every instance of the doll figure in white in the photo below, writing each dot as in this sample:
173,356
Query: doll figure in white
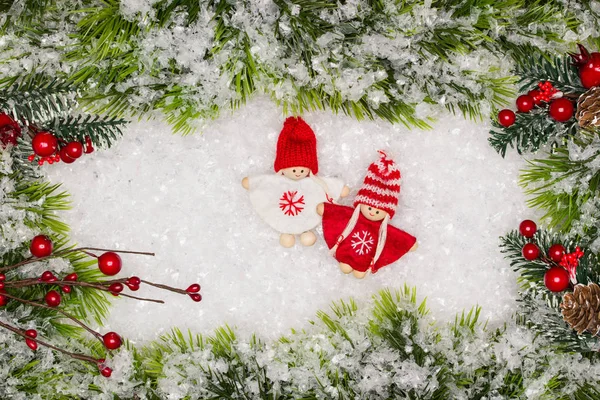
287,199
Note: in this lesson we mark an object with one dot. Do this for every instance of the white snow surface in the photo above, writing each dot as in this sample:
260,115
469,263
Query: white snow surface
181,197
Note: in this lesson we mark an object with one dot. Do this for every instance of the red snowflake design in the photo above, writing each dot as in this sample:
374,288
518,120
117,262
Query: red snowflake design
291,204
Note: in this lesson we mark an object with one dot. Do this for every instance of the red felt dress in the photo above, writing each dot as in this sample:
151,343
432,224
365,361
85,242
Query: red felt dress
358,249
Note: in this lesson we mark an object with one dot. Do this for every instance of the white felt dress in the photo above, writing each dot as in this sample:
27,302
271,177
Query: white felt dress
290,206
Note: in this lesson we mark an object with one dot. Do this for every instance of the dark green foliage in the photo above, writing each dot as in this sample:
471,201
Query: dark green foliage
530,131
534,69
103,131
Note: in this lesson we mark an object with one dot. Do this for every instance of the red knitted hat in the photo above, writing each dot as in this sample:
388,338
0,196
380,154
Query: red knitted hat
296,146
381,187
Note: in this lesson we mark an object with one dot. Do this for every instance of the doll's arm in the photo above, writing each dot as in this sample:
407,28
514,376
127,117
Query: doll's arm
320,208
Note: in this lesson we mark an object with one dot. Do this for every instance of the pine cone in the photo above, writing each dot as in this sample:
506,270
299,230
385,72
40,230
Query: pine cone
588,108
581,309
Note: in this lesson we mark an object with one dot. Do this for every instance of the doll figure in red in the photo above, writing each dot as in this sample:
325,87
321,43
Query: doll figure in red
360,238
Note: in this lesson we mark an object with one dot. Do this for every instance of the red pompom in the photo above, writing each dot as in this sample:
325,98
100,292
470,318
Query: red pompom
44,144
53,298
528,228
556,251
556,279
112,340
41,246
531,251
561,110
109,263
525,103
506,118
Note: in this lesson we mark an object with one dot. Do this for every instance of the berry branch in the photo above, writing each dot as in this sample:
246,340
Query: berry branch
109,263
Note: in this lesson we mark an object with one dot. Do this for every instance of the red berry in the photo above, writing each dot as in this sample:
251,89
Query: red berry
531,251
31,158
2,277
41,246
196,297
3,300
112,340
132,286
10,130
48,276
53,298
535,95
194,288
506,118
1,286
74,149
106,372
561,110
71,277
134,280
116,288
589,67
527,228
44,144
556,251
65,156
66,289
109,263
556,279
32,333
525,103
32,344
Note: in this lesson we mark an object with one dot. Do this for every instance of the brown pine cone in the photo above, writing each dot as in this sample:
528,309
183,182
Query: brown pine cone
581,309
588,108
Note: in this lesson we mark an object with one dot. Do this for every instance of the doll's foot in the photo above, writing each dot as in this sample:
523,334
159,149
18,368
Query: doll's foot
320,208
246,183
345,268
415,246
308,238
287,240
358,274
345,191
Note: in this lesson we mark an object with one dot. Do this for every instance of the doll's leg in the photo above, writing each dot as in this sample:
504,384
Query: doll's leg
345,268
308,238
358,274
287,240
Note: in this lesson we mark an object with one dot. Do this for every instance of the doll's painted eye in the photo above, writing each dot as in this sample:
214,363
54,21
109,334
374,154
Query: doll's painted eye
369,208
294,171
301,171
376,212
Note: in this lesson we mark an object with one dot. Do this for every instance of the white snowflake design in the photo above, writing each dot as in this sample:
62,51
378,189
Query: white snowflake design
291,203
362,242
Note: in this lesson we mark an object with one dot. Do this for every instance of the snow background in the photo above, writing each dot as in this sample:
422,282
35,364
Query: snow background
181,198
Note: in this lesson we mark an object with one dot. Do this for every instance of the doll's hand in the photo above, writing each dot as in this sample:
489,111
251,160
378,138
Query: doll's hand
415,246
345,191
246,183
320,208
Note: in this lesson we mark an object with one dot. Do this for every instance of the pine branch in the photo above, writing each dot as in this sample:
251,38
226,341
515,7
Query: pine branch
35,97
102,131
530,132
560,71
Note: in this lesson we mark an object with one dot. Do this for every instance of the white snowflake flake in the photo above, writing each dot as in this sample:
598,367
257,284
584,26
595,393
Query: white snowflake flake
362,242
291,203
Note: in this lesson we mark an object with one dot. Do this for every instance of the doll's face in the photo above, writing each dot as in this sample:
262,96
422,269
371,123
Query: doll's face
372,213
295,173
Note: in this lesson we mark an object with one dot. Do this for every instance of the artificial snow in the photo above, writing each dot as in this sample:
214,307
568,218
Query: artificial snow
181,197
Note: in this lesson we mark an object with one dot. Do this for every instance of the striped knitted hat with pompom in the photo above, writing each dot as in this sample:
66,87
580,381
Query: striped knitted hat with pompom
381,186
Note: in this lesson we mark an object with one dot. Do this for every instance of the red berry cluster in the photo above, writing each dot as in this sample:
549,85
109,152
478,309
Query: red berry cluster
562,266
47,147
560,108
